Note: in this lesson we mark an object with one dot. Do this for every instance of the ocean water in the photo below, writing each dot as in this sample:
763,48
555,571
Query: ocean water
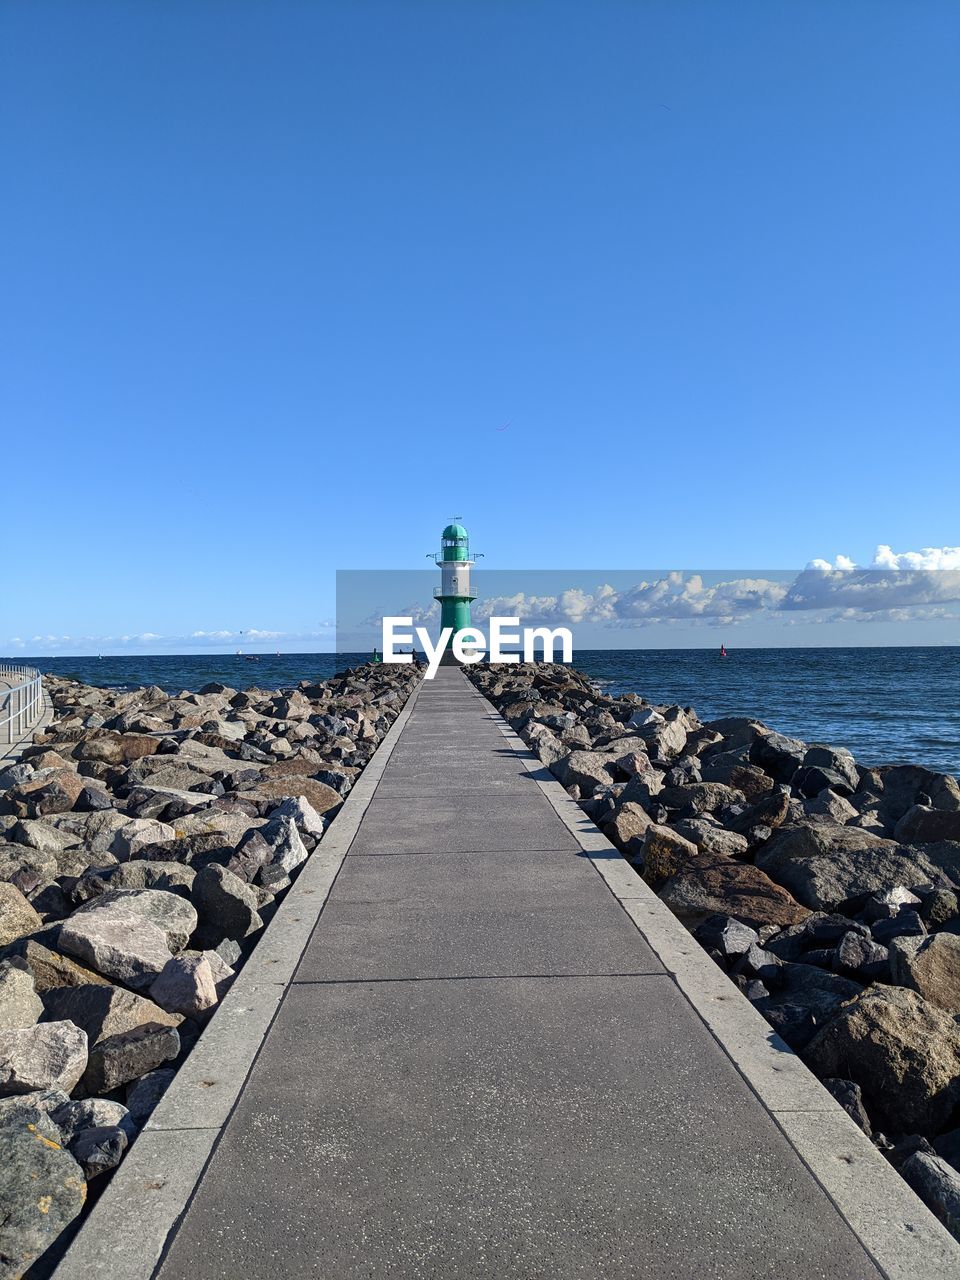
887,706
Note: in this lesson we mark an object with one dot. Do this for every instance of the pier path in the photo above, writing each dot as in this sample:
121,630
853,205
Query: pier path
488,1063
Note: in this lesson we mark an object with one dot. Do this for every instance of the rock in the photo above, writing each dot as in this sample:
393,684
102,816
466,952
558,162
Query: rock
627,830
117,942
901,1050
940,907
665,853
729,937
56,793
17,916
92,799
887,902
74,1116
118,1059
227,905
861,958
140,874
50,969
99,1150
930,966
808,999
42,1190
116,748
287,850
587,770
905,924
144,1094
308,821
51,1055
711,885
828,804
777,755
172,914
824,866
137,834
186,986
20,1006
320,797
710,837
33,1112
736,773
695,798
903,785
850,1098
103,1011
924,825
937,1183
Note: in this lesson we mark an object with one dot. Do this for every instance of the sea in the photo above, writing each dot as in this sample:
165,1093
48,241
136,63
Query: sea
886,705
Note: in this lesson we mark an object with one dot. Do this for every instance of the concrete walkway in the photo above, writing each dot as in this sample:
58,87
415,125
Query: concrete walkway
481,1068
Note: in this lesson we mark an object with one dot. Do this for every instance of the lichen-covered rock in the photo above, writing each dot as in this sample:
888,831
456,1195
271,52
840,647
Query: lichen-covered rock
665,853
51,1055
42,1189
50,969
901,1050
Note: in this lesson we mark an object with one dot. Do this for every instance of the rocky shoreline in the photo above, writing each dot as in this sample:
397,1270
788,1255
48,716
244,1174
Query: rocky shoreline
145,841
826,890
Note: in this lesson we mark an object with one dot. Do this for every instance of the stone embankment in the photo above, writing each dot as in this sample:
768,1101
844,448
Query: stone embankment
144,843
826,890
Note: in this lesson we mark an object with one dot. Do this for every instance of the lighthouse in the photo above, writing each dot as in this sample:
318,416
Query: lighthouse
455,592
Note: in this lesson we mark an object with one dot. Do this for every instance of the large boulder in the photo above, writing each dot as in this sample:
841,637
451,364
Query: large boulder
139,833
627,829
227,905
17,917
187,985
665,853
930,966
711,885
824,865
50,969
692,799
906,785
320,796
116,748
777,755
116,1060
42,1189
103,1011
901,1050
170,912
587,770
924,825
139,874
51,1055
117,942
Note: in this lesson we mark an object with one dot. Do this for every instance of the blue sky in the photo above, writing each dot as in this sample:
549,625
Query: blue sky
285,285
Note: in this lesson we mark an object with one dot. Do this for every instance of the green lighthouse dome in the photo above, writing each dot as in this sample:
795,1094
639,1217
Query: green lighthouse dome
454,532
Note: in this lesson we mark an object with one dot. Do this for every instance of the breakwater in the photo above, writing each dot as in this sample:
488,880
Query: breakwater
827,891
145,841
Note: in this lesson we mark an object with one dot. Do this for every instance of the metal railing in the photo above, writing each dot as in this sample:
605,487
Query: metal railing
469,594
21,702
